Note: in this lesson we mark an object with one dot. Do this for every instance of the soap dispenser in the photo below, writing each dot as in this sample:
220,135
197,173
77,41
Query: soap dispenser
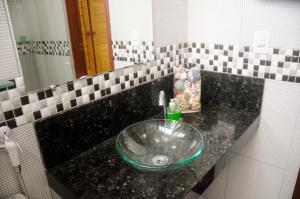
173,113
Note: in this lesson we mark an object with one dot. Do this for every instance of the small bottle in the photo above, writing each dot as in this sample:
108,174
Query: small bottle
172,106
172,112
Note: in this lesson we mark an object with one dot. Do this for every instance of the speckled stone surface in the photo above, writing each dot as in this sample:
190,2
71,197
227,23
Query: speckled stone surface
67,135
100,173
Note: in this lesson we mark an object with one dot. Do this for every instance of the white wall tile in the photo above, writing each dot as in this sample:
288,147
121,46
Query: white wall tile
250,179
214,21
51,19
169,22
235,21
58,71
135,15
216,190
17,18
271,144
27,10
293,163
281,18
288,185
29,71
8,180
52,70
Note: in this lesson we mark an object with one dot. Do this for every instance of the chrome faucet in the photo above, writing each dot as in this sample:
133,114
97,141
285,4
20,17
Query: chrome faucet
162,102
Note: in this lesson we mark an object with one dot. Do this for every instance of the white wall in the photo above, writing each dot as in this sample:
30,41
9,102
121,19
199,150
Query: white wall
169,22
20,27
51,19
131,15
38,19
235,21
17,18
54,69
51,25
30,71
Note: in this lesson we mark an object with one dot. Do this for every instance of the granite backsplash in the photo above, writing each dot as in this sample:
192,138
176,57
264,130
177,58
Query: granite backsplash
73,132
232,91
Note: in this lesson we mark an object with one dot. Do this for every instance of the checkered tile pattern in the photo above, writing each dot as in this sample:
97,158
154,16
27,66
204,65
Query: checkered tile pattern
277,64
172,55
19,108
131,52
57,48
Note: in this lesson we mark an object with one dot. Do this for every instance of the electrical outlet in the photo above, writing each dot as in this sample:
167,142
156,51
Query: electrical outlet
262,42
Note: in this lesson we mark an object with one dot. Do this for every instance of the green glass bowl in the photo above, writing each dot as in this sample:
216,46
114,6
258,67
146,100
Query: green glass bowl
159,145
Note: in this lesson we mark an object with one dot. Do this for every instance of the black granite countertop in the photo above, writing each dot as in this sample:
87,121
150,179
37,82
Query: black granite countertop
79,151
100,173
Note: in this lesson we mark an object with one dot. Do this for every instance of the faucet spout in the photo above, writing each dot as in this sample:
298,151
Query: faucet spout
162,102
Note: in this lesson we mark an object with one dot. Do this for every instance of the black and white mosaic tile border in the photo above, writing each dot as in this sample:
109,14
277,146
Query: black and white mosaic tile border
168,55
19,108
131,52
56,48
277,64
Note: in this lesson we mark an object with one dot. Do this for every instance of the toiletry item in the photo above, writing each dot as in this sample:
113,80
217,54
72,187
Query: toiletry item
187,89
172,112
23,39
172,105
174,115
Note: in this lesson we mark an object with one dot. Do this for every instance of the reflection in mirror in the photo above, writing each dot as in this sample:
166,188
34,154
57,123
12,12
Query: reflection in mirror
41,35
60,40
132,31
109,34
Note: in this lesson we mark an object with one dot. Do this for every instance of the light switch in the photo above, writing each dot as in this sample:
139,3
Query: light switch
262,42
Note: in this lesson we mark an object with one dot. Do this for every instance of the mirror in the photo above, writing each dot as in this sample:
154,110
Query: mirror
62,40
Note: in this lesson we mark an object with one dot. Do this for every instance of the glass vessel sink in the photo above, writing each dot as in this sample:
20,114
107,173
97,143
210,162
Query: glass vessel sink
159,145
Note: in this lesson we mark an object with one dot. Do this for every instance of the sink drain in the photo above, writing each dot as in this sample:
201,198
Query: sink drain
160,160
